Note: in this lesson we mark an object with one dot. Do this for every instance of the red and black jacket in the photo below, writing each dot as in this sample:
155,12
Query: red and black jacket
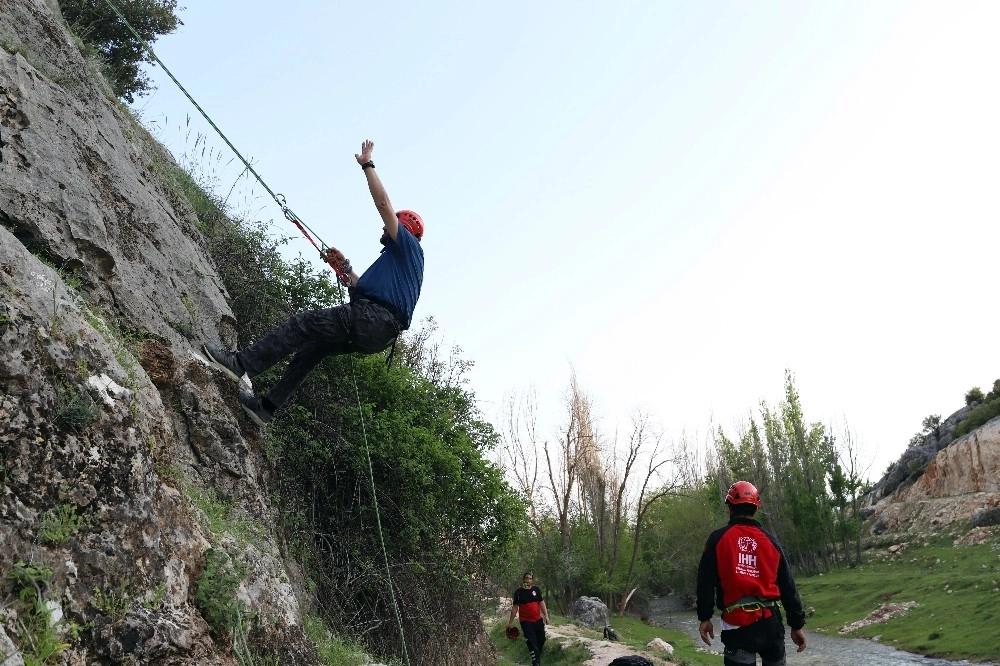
743,562
528,604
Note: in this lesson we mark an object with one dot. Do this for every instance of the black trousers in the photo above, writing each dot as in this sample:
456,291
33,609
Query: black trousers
534,636
312,335
764,637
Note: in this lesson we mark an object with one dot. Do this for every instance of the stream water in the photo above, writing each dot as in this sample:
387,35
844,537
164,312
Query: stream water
821,649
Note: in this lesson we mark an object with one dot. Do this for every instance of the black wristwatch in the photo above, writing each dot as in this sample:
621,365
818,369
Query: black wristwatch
367,164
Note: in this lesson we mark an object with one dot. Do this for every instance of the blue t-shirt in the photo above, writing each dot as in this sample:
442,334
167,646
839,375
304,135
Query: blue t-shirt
396,276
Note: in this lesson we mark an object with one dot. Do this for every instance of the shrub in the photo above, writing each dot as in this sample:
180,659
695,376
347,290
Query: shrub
38,634
931,423
978,417
99,28
975,396
76,409
446,512
59,525
215,592
113,604
995,393
331,649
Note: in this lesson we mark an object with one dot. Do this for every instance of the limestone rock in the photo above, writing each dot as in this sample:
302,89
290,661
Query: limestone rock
590,611
108,446
9,656
660,645
960,486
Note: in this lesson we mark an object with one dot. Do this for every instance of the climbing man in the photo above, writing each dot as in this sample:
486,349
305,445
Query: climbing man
744,572
381,306
529,607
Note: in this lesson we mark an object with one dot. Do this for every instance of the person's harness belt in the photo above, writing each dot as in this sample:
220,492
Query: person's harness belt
392,309
750,604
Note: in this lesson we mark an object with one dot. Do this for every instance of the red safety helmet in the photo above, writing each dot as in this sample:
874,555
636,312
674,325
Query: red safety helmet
413,222
512,633
743,492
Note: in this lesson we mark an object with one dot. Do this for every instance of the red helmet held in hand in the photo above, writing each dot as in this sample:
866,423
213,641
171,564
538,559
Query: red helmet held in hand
743,492
413,222
512,633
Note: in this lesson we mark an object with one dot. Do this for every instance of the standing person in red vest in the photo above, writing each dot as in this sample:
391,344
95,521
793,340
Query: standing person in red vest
529,607
743,571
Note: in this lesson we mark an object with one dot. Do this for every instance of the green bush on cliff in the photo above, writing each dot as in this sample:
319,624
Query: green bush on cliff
978,417
215,592
446,513
122,53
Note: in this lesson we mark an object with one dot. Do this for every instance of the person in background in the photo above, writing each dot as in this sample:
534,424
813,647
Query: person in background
529,608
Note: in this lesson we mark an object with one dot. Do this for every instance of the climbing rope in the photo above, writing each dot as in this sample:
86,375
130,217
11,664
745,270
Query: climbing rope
342,276
278,198
378,515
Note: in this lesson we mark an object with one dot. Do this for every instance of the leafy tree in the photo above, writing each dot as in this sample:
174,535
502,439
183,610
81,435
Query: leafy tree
975,396
677,526
995,392
442,511
977,417
101,30
930,424
791,462
445,513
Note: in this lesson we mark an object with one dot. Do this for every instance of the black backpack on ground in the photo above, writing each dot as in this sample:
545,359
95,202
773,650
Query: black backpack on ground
631,660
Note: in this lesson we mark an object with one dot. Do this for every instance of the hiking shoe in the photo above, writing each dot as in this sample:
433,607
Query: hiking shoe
226,361
254,406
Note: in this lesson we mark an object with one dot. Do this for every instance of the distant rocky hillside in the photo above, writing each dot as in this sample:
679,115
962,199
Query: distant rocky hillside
943,483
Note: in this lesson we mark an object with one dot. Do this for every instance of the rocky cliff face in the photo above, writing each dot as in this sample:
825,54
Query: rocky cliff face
118,444
959,488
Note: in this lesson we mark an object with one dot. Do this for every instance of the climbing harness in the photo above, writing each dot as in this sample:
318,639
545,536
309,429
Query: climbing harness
750,604
342,276
749,610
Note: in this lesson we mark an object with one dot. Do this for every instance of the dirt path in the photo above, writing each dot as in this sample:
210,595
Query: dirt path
602,652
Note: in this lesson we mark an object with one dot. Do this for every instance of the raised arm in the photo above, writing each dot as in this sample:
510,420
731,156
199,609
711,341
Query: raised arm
379,195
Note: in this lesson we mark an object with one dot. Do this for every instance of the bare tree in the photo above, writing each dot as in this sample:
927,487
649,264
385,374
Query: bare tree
641,438
847,485
592,477
551,472
520,449
563,466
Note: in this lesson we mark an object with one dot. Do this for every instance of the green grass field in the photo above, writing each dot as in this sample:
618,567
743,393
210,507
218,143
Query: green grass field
957,589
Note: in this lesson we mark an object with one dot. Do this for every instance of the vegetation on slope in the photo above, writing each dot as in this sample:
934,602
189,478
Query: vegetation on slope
445,514
120,52
955,584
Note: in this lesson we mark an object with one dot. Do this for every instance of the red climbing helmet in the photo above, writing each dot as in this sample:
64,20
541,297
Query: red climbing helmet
743,492
512,633
413,222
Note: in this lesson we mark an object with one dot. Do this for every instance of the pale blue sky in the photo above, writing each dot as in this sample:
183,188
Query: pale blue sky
679,199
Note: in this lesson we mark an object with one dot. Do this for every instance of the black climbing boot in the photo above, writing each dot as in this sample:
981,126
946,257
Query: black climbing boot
224,360
254,406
